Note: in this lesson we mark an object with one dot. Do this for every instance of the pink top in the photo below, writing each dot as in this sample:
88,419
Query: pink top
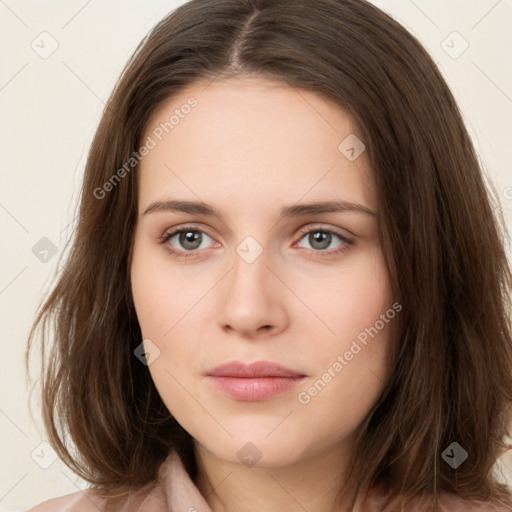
174,491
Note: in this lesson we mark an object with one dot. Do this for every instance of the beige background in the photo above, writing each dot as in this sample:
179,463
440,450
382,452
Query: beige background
51,106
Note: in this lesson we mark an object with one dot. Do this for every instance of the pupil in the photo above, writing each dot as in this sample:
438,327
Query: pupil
322,238
190,237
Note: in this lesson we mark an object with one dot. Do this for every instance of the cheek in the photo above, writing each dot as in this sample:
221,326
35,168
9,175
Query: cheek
352,360
151,301
161,312
162,291
348,302
349,382
168,303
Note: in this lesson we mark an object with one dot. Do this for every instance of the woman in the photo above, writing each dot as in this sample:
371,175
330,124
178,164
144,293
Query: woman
287,289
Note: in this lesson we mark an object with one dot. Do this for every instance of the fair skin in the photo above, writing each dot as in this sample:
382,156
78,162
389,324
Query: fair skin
249,148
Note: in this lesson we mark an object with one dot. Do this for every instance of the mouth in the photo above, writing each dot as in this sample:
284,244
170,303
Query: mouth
253,382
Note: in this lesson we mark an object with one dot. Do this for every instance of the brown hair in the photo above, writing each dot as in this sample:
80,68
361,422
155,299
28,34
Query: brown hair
451,379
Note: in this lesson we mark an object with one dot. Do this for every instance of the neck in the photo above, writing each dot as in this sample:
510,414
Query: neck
309,484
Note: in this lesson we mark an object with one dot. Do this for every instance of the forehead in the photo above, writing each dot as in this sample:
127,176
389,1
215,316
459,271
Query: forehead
245,136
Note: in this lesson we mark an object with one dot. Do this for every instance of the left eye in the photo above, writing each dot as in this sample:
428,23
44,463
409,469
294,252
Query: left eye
321,239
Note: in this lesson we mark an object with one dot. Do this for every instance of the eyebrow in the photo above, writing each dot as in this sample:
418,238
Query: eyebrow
296,210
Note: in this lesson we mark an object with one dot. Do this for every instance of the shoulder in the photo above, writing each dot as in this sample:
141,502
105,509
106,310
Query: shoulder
453,503
448,502
81,501
148,498
151,497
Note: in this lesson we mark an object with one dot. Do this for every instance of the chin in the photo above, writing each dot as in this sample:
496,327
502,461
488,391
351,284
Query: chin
255,449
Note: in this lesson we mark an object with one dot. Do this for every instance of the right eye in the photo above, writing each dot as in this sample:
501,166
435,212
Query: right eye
189,238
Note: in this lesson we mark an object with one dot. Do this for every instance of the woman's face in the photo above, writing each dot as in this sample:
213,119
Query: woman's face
271,280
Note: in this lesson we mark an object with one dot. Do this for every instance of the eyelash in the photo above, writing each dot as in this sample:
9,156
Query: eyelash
347,242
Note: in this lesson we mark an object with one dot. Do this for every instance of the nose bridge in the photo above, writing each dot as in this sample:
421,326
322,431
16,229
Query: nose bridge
250,250
250,265
251,300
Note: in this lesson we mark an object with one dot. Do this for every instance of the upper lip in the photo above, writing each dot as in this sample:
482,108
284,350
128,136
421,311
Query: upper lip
252,370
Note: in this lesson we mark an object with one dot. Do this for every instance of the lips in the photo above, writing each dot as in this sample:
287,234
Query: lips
258,369
253,382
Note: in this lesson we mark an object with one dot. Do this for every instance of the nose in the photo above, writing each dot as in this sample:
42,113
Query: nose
253,300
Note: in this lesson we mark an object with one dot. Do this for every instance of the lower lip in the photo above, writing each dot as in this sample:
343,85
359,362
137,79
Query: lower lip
254,389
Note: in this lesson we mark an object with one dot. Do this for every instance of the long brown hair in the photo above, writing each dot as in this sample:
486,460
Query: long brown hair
440,228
